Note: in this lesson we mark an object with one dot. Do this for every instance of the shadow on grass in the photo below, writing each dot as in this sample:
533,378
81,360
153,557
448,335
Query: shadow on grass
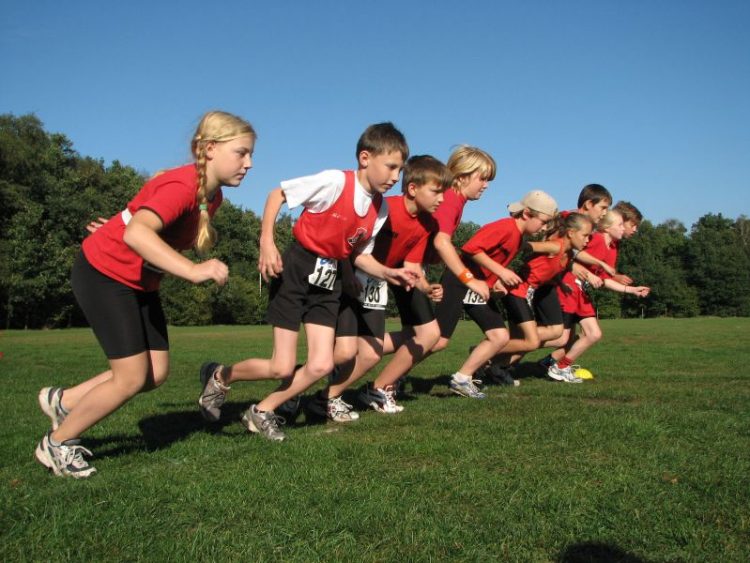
596,552
161,430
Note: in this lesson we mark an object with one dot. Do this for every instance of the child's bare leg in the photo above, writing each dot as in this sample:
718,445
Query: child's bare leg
408,354
369,353
129,376
320,343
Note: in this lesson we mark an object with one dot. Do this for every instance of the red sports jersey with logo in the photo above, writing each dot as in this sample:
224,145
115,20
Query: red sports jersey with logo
172,196
541,269
403,237
335,232
500,240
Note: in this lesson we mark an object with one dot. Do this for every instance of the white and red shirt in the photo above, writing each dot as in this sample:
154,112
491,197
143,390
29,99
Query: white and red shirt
339,214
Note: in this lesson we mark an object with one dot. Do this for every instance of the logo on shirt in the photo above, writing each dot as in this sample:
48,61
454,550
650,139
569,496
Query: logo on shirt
355,239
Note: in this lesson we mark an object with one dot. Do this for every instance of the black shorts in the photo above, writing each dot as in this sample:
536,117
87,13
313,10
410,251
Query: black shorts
546,307
414,307
355,320
294,300
570,320
126,321
488,315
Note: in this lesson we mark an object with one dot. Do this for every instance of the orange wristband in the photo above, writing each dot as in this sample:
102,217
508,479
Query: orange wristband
466,276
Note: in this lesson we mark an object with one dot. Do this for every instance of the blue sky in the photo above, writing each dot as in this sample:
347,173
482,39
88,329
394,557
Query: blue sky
649,98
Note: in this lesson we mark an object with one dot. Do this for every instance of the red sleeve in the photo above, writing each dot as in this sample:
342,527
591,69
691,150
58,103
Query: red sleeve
169,200
448,215
489,237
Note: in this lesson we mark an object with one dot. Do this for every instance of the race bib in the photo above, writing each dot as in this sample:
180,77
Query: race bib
374,293
473,298
324,274
530,297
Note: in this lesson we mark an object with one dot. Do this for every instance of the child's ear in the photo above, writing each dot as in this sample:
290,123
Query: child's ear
411,189
364,159
210,149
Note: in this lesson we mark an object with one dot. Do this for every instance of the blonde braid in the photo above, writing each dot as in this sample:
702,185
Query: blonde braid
206,237
219,127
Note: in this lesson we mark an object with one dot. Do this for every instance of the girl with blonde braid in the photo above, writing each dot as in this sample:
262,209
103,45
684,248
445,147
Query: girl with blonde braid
116,280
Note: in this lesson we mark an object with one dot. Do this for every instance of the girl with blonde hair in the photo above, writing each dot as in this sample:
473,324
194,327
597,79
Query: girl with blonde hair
116,280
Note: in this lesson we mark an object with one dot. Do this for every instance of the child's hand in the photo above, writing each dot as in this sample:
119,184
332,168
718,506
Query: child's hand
212,269
509,279
498,287
595,281
479,287
623,279
640,291
96,224
401,276
269,261
436,292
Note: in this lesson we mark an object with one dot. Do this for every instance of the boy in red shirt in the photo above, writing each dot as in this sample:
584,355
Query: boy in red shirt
472,169
342,211
400,243
488,254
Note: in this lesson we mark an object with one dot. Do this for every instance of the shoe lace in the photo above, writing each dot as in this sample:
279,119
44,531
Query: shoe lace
271,421
390,396
338,406
73,455
216,394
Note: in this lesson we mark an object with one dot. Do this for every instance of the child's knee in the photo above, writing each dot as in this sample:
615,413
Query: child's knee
441,344
319,369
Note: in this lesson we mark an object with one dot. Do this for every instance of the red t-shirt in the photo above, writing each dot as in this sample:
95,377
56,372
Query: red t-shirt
337,231
541,269
448,216
172,196
598,248
403,237
500,240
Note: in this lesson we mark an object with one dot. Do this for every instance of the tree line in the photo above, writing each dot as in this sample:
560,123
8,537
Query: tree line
48,193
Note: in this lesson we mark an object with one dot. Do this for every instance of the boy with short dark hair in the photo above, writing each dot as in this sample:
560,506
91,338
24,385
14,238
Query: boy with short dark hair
400,243
342,211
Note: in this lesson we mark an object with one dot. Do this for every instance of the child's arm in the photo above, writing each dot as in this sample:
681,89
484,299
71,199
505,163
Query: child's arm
269,260
584,274
397,276
433,290
453,262
585,258
507,276
142,235
639,290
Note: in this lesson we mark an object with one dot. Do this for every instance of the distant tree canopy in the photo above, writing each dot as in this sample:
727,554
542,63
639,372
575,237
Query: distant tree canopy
48,193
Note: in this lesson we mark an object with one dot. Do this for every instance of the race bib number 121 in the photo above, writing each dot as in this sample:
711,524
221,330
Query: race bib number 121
324,274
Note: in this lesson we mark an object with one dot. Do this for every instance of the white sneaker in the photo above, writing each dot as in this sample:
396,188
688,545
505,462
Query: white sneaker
335,409
65,459
467,388
50,401
563,374
381,400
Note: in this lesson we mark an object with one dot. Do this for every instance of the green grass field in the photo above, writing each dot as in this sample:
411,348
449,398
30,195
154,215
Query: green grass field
648,462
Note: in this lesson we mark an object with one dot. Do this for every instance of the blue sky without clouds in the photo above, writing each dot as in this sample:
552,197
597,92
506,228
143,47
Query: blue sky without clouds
649,98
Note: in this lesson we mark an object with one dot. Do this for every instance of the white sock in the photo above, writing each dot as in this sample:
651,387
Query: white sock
460,377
